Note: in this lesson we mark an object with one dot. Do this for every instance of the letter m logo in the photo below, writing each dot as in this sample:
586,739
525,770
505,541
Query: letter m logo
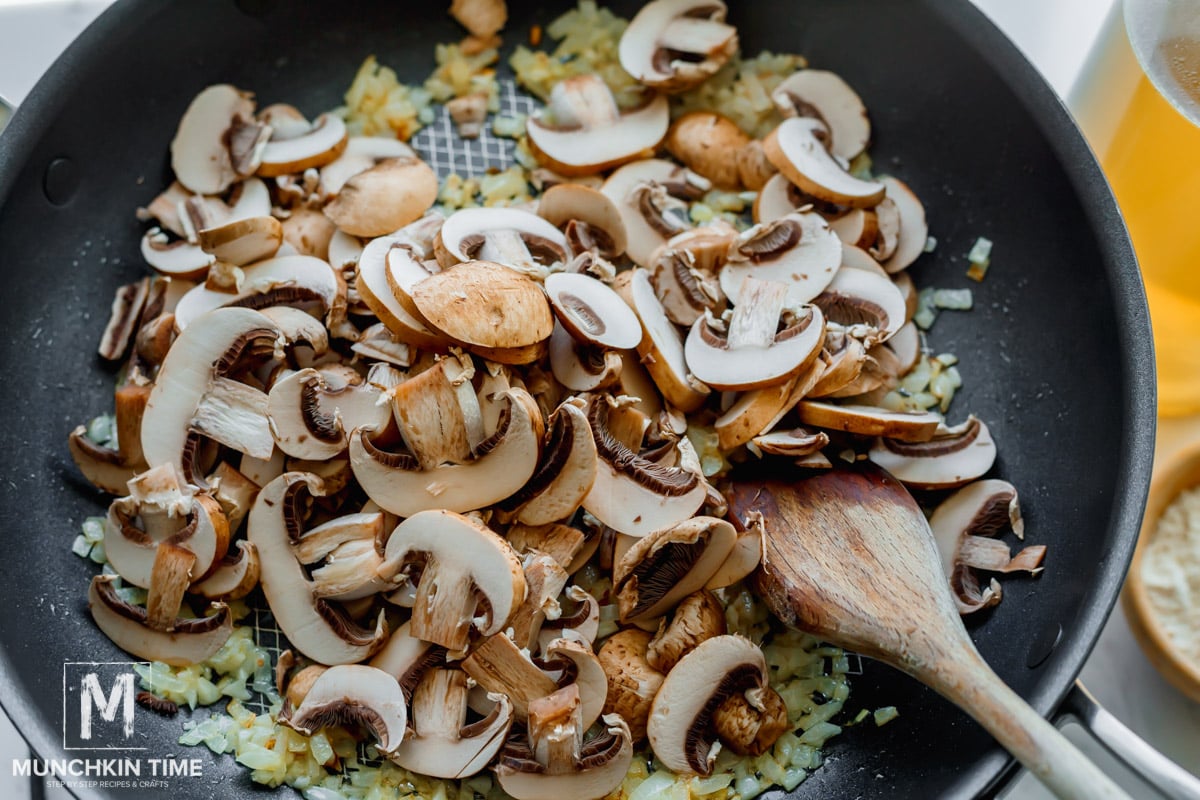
92,698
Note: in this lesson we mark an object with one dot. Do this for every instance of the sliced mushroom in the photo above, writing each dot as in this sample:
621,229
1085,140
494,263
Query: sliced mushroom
887,235
777,198
826,97
564,475
123,319
582,368
651,196
377,343
796,442
110,469
376,290
965,527
557,760
589,133
661,348
914,231
862,227
953,457
498,665
488,308
235,575
798,249
354,695
286,280
632,681
384,198
200,152
177,259
592,312
856,258
317,627
361,153
188,641
322,143
751,414
468,580
755,352
708,143
754,168
589,219
632,494
870,421
170,514
438,413
673,45
517,239
698,617
310,232
859,297
797,150
193,397
666,566
581,625
441,743
683,271
906,344
312,413
243,241
685,718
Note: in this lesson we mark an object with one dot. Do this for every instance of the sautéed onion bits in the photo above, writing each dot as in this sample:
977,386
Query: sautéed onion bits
465,442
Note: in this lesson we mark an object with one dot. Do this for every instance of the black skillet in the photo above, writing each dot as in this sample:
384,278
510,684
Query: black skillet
1056,355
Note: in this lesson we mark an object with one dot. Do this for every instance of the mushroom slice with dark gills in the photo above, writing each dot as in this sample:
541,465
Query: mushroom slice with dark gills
954,456
200,151
698,617
109,468
468,580
321,144
441,743
318,628
354,695
588,218
243,241
798,152
673,45
857,297
501,465
162,509
965,527
754,351
564,475
798,249
716,694
185,641
684,271
581,367
407,658
195,398
632,494
518,239
652,197
663,568
557,760
303,281
592,312
312,412
590,133
914,230
826,97
234,577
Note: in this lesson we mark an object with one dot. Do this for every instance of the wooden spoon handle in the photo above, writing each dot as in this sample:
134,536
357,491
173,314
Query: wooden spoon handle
1037,744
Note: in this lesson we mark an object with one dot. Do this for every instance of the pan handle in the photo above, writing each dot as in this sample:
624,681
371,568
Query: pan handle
1170,779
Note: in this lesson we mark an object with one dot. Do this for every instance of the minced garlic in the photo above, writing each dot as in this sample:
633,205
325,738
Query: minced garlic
1171,573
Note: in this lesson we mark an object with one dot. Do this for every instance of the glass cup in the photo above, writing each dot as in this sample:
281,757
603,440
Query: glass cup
1140,124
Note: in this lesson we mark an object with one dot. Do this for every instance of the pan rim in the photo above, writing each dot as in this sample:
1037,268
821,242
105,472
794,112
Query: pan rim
1079,164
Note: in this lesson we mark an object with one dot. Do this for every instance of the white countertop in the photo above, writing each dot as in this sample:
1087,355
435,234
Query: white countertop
1056,35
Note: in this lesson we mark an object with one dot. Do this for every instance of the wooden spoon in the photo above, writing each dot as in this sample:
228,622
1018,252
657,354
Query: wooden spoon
851,559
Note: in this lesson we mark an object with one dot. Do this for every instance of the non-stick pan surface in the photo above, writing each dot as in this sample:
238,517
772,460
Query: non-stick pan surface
1055,355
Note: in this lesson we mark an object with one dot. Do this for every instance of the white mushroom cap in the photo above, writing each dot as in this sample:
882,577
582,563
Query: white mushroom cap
797,249
189,641
376,291
323,143
914,231
592,312
795,148
570,206
509,236
199,152
673,45
825,96
469,576
590,134
857,296
350,694
953,457
661,348
285,280
627,186
503,465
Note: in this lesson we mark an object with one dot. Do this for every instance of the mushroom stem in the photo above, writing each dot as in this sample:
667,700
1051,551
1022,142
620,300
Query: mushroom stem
756,315
439,704
443,609
130,406
507,247
168,581
499,666
235,415
556,730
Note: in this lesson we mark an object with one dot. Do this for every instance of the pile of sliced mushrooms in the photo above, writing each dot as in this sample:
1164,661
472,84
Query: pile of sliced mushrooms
411,431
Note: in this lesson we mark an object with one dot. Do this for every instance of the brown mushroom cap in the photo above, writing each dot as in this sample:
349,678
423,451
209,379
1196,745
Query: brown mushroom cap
481,304
708,144
632,681
384,198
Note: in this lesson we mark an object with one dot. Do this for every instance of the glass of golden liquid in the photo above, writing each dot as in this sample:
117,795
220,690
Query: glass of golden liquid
1138,102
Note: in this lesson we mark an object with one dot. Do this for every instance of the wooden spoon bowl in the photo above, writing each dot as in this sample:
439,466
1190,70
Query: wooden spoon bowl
1176,474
